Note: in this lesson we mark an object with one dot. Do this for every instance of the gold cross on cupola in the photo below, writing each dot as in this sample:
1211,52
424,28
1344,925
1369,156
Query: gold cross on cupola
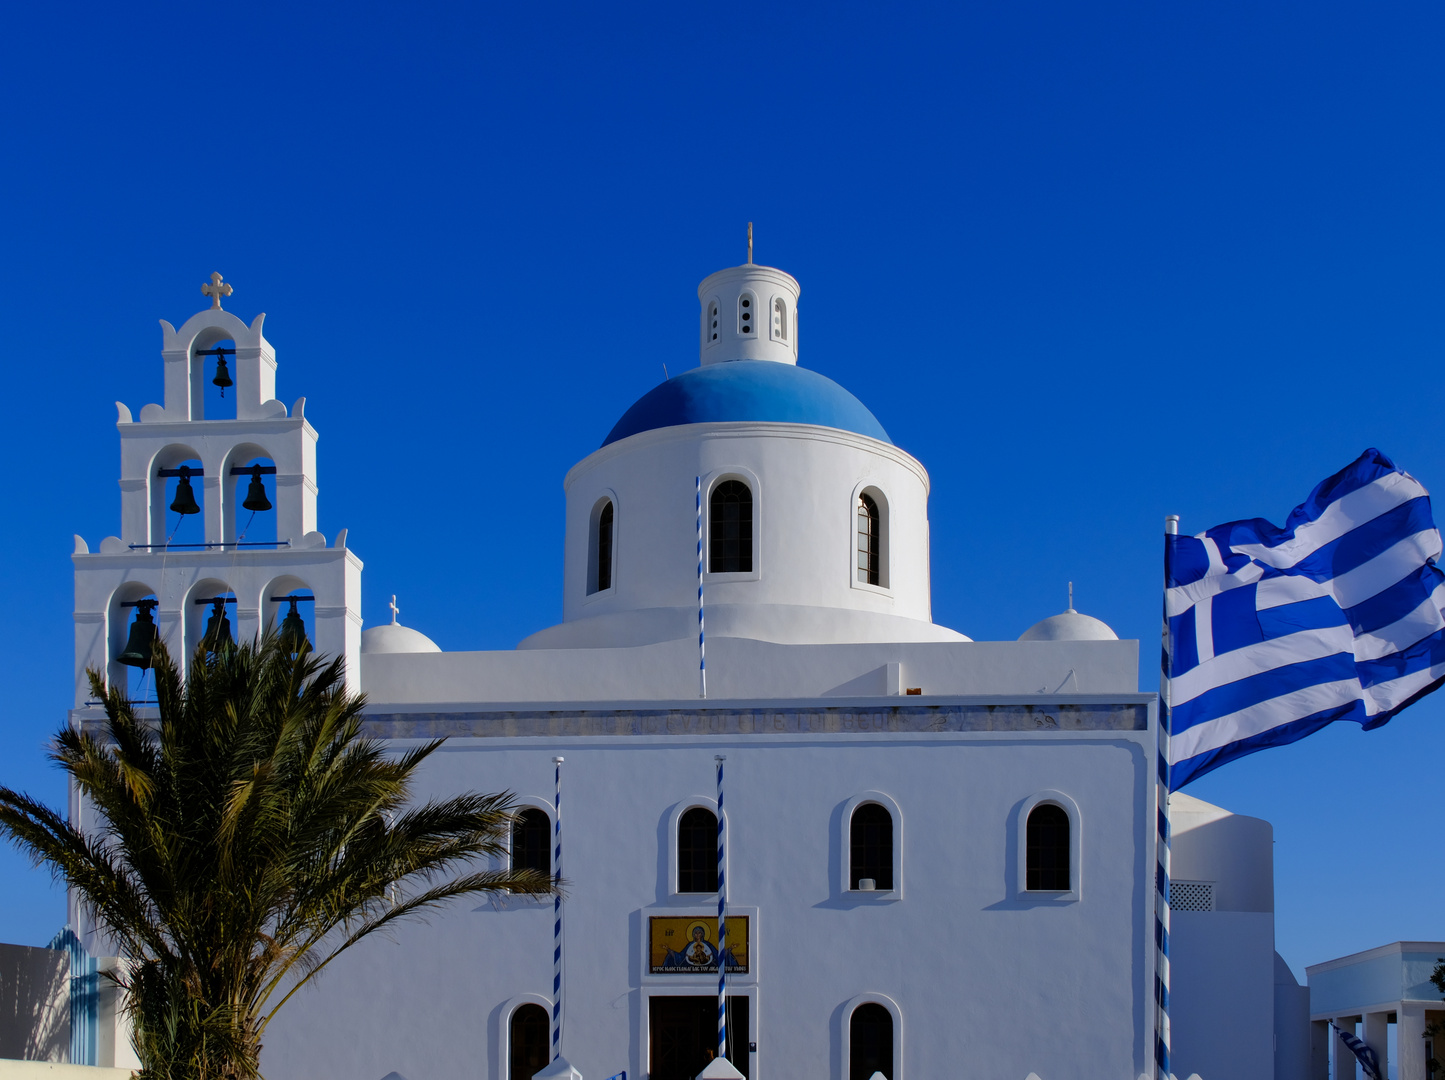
215,290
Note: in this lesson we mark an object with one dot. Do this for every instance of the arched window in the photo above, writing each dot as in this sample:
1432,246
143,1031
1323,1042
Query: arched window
870,1042
604,548
780,319
697,851
711,329
532,841
730,550
871,847
747,314
530,1039
869,547
1047,853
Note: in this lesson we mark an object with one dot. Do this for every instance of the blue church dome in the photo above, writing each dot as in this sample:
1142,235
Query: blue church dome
757,390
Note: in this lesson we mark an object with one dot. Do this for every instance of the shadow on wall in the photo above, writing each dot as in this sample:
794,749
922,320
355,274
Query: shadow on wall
34,1004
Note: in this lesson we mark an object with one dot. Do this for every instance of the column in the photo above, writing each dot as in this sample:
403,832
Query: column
1377,1038
1320,1036
211,504
1410,1031
1345,1062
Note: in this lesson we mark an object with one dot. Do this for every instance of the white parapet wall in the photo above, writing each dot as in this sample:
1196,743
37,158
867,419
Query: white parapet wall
52,1070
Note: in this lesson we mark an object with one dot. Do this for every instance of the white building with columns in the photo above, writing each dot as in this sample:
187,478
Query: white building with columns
1366,993
940,851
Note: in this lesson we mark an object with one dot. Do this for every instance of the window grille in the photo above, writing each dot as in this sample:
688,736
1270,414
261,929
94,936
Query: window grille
712,322
1191,895
780,319
868,540
871,844
697,851
1048,849
532,841
730,550
604,548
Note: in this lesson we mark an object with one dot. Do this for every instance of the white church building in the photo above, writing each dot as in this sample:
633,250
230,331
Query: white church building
939,851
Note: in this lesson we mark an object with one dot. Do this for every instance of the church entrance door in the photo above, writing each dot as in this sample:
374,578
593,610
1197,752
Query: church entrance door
684,1035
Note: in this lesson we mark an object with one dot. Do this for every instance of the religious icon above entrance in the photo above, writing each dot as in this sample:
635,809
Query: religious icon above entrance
687,945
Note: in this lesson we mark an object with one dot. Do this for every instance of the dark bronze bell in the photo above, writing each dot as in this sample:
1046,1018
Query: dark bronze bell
137,651
185,500
218,628
293,631
223,375
256,493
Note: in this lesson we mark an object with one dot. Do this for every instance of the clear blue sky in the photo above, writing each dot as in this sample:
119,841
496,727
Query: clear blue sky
1091,264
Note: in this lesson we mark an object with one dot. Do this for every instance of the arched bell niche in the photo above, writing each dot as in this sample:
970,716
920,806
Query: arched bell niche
121,615
167,525
200,610
275,608
212,363
256,523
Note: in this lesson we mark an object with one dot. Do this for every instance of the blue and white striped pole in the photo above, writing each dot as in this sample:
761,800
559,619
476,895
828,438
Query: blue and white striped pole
722,924
701,644
1161,875
557,913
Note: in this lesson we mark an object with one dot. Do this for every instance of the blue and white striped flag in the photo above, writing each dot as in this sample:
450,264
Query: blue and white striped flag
1369,1062
1274,633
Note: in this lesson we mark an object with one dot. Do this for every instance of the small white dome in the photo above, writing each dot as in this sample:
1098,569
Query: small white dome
395,638
1069,626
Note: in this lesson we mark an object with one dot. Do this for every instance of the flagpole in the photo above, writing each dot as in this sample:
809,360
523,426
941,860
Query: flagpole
1161,877
722,926
701,647
557,913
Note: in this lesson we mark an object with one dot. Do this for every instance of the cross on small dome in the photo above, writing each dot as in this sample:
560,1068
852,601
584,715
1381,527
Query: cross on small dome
215,290
395,611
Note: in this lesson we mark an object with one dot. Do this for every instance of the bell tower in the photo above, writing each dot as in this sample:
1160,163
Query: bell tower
205,549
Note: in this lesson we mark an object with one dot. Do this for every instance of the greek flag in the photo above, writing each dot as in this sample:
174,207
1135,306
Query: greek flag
1274,633
1363,1054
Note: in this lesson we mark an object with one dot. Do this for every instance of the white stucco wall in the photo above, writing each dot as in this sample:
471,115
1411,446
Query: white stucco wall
1221,968
805,482
979,974
744,669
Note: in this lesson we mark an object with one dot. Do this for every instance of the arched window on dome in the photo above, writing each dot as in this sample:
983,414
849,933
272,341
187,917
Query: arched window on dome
870,1042
780,319
1047,853
709,329
868,540
730,529
600,546
697,851
747,315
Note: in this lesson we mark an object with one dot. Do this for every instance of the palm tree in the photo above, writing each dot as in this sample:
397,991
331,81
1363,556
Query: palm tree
251,835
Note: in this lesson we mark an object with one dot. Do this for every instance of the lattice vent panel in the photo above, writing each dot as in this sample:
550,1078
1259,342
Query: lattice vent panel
1191,895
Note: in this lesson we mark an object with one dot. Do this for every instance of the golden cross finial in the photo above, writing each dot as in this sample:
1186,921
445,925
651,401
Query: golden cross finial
750,243
394,609
215,290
